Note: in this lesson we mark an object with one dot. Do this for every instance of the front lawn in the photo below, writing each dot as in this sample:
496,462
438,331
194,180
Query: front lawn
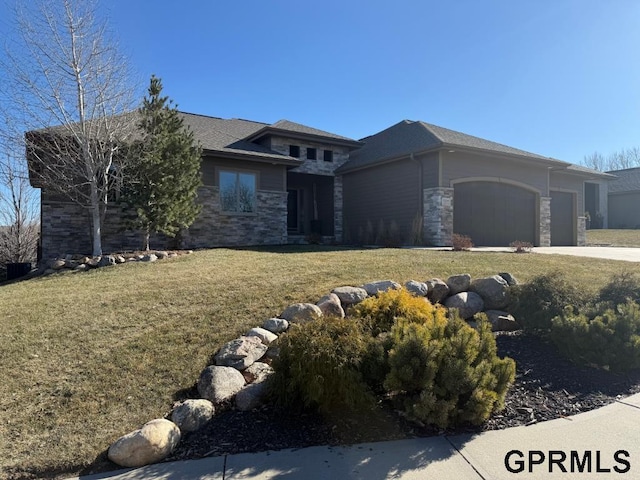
87,357
615,238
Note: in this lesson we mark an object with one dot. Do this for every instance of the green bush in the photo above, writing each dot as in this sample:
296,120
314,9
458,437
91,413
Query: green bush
448,374
534,304
624,286
378,314
319,366
606,337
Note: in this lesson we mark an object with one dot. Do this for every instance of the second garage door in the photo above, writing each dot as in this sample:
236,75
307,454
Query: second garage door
494,214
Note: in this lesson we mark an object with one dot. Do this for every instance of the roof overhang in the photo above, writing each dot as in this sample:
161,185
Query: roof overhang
281,132
274,160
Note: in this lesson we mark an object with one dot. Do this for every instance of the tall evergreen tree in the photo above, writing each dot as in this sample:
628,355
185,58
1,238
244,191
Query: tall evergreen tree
163,169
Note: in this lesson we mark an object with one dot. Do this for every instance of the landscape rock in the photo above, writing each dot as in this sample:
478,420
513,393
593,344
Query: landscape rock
81,267
301,312
493,290
438,290
276,325
150,444
218,384
419,289
373,288
250,397
161,255
150,257
510,279
501,321
263,334
258,372
458,283
192,414
106,261
350,295
330,306
120,259
467,303
241,352
57,264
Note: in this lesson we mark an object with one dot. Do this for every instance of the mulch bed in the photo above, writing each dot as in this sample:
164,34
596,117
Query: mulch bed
547,386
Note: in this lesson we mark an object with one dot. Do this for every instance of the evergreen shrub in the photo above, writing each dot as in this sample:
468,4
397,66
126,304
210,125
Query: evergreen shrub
622,287
377,314
319,366
535,303
448,374
605,337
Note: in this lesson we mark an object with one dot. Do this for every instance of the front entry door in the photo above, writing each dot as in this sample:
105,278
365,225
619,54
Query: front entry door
293,224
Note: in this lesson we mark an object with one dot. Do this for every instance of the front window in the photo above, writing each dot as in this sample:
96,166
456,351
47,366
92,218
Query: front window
238,192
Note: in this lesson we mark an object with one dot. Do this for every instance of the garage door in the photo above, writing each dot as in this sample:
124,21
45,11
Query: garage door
494,214
562,219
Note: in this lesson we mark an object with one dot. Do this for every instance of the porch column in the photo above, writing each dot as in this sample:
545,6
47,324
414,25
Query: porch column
545,222
582,231
337,209
438,216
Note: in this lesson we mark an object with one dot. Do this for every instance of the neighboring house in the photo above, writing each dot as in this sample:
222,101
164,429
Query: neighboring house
624,199
414,183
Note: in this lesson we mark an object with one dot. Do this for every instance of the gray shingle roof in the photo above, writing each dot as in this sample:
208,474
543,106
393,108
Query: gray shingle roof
410,136
628,180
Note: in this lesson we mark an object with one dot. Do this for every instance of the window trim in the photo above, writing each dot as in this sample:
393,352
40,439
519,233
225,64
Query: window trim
328,153
293,149
237,173
315,153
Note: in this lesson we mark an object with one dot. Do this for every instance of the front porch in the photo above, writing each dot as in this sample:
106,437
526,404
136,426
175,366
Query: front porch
310,207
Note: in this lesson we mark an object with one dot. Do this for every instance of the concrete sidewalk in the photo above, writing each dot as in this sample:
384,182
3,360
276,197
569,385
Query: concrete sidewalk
627,254
602,443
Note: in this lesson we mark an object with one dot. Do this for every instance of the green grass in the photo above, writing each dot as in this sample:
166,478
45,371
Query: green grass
615,238
87,357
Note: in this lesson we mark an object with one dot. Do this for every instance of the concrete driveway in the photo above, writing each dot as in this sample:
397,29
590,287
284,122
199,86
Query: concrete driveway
609,253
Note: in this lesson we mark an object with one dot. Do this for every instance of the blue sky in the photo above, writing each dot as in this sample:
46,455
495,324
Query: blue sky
556,77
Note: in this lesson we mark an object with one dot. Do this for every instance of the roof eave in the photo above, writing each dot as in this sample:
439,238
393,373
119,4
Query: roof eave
290,161
266,131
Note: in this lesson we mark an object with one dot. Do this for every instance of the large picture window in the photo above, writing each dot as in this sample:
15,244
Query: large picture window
238,192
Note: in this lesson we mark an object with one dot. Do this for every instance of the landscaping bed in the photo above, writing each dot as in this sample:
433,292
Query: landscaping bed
547,387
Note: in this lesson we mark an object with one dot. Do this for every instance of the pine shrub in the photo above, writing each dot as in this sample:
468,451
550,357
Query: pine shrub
448,374
377,314
319,366
605,337
535,303
621,288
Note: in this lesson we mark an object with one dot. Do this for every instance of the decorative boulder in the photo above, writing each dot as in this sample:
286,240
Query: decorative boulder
373,288
57,264
510,279
467,303
458,283
501,321
150,444
120,259
250,397
493,290
107,260
301,312
162,255
350,295
218,384
263,334
330,306
258,372
276,325
419,289
192,414
241,352
438,290
150,257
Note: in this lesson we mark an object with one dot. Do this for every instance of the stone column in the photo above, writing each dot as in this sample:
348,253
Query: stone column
545,222
438,216
582,231
337,209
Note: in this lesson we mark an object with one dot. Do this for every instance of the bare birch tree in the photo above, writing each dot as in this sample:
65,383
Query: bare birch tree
619,160
19,225
67,85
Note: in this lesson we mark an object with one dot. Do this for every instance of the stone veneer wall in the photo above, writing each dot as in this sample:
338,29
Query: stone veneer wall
268,226
438,216
582,231
545,222
314,167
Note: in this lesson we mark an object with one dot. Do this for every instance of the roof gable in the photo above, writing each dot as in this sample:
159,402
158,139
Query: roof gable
628,180
297,130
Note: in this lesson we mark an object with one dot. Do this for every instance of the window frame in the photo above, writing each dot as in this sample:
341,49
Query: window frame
294,151
328,153
238,173
315,153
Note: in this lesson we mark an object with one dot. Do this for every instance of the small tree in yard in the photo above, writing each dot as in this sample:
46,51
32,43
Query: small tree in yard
163,169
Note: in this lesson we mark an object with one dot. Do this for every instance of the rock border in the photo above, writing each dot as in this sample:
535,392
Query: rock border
242,366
